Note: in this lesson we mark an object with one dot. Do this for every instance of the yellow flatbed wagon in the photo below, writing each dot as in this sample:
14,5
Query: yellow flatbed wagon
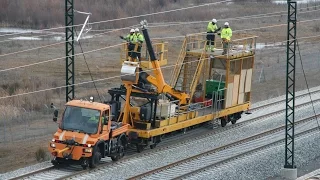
204,86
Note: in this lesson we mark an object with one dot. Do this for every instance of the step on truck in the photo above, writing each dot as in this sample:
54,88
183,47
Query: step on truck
86,133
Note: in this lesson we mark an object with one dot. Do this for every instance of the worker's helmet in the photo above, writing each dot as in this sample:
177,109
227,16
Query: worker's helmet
132,31
137,30
226,24
214,20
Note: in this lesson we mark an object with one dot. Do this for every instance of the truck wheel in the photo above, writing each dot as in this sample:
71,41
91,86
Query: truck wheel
95,159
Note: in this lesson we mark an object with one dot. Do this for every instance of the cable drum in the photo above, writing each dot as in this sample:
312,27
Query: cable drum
129,71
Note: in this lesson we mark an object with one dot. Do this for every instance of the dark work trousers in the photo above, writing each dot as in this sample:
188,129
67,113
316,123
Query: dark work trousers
139,52
210,39
130,50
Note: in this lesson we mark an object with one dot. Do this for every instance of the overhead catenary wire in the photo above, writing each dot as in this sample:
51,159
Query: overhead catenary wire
307,84
95,35
125,18
85,60
190,22
37,36
97,80
129,27
172,37
55,59
194,22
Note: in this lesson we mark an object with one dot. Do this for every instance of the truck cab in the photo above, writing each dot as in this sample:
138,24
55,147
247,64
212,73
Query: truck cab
87,132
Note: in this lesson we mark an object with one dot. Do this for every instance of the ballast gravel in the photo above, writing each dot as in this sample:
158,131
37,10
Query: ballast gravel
138,165
265,164
25,170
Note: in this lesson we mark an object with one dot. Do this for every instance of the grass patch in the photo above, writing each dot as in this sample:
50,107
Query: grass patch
41,155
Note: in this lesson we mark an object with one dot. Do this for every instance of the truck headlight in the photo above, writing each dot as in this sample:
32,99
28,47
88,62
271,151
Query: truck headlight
52,145
87,150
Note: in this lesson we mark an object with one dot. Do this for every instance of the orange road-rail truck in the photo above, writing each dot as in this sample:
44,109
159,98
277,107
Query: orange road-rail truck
87,133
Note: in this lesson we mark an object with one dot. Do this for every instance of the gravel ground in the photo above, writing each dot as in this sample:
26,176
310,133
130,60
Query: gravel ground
25,170
266,163
181,169
283,97
142,164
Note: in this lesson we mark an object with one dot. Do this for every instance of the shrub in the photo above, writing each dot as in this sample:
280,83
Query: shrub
41,155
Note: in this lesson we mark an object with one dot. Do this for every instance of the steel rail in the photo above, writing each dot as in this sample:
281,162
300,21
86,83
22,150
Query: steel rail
228,146
171,142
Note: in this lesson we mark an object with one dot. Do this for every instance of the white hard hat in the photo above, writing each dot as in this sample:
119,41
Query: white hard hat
214,20
137,29
226,24
132,30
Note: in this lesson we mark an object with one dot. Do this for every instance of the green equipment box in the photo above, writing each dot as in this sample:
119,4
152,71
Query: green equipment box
213,85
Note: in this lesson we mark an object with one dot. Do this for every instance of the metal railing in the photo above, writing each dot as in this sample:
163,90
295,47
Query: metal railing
160,49
241,44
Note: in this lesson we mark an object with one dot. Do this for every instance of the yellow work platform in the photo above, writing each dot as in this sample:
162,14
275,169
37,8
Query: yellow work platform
232,54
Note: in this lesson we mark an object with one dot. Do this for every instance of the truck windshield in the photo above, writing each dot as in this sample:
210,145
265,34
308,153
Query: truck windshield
80,120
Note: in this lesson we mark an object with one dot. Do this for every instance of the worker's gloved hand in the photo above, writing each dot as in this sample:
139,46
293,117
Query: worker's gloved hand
140,42
121,37
219,34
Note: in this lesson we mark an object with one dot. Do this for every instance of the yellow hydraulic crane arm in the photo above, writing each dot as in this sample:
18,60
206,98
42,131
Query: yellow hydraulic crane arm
158,80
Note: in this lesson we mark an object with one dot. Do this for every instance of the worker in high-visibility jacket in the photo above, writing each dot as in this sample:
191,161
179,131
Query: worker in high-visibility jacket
212,28
139,40
226,34
130,38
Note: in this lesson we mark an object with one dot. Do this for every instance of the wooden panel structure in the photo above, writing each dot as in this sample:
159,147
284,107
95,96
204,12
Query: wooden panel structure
242,80
229,95
248,81
235,90
241,98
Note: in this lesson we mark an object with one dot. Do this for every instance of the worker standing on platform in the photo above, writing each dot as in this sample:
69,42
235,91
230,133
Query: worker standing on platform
130,38
212,28
226,34
139,39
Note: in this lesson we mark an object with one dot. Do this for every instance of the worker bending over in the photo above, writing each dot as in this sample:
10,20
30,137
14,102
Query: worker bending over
226,34
130,38
139,40
212,28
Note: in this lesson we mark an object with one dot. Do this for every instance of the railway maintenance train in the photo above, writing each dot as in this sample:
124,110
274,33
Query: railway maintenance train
204,86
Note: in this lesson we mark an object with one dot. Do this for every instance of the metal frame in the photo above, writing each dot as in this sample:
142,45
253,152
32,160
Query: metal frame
69,22
290,84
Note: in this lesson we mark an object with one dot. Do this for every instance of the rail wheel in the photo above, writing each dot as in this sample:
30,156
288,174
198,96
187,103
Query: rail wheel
95,159
223,122
140,148
119,155
233,119
156,140
152,146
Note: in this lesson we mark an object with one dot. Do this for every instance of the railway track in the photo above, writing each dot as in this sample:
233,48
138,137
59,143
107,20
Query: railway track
279,101
196,164
191,135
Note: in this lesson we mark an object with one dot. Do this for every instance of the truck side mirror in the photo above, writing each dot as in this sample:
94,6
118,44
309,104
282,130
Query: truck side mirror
55,115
